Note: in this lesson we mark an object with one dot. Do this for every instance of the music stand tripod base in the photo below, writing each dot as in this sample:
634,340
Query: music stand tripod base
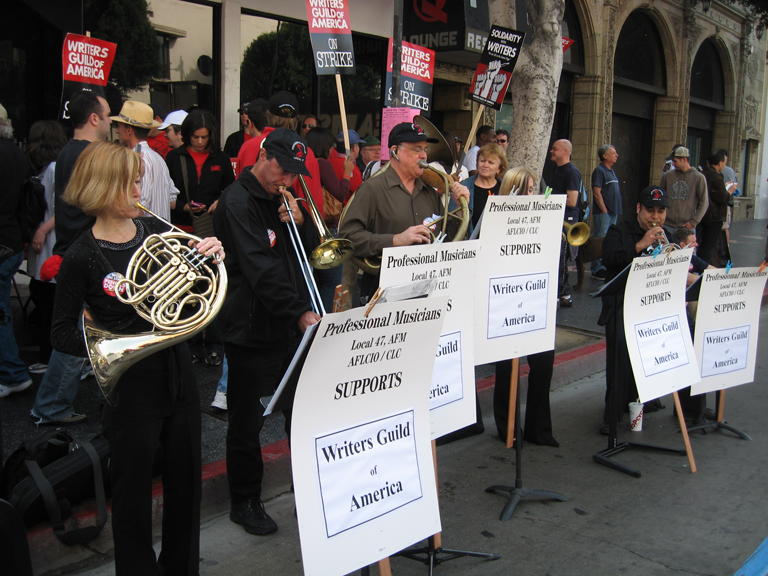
517,494
720,425
604,456
432,556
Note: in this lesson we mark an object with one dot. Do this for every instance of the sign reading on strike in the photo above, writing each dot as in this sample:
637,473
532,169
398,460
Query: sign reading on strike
331,36
494,71
417,66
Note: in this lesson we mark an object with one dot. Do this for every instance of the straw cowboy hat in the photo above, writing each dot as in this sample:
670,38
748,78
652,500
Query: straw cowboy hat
136,114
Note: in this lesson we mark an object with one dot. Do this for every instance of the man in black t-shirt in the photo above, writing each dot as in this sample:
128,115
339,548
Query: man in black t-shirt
565,180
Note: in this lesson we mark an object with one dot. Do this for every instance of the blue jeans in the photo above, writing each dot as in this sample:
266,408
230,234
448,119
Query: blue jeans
56,396
222,387
12,370
601,223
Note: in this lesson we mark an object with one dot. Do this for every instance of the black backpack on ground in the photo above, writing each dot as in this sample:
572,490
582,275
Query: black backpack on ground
45,477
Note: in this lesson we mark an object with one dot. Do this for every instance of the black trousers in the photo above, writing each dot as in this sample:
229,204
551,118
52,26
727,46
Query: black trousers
538,418
147,417
708,236
43,294
619,378
253,373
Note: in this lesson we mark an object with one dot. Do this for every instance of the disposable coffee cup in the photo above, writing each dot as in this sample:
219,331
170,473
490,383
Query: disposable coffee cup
636,416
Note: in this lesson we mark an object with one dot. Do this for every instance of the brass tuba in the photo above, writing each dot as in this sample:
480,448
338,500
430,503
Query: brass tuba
170,285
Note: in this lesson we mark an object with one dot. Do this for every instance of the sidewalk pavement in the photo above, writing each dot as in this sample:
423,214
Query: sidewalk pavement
668,522
577,400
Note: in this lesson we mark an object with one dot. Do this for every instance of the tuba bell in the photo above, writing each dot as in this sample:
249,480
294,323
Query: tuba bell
171,286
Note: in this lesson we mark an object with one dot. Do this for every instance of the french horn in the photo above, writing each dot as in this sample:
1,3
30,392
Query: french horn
169,284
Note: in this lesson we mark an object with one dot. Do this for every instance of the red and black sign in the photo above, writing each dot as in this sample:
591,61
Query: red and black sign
417,70
331,36
494,72
85,64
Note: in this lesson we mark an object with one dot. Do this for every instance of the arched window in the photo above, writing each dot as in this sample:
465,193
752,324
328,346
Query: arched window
639,53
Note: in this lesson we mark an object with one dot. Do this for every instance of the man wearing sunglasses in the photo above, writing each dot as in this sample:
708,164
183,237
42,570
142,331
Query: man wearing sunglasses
502,138
396,207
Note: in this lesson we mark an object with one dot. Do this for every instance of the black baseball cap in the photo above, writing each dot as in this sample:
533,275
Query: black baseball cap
283,104
409,132
651,196
289,149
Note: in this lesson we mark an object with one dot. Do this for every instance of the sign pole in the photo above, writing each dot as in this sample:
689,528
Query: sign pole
471,136
343,111
684,430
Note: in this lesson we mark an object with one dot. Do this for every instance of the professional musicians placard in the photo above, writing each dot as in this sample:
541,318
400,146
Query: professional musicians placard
656,326
727,323
331,36
454,265
360,441
494,71
516,288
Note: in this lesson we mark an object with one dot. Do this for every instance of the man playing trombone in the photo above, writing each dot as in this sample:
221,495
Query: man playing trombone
396,207
268,307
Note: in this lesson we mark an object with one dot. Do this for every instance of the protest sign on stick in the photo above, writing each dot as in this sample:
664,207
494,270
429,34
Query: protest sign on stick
331,37
86,63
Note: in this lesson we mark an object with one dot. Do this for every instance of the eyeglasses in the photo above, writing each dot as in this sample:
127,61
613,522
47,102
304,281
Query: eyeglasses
418,149
501,141
305,126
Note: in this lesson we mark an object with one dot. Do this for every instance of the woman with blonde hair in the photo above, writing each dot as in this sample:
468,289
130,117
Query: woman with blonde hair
518,181
538,419
158,402
491,164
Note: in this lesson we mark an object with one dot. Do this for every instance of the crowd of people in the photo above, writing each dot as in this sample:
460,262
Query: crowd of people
168,170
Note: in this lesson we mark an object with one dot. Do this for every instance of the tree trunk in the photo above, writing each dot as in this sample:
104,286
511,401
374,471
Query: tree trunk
535,80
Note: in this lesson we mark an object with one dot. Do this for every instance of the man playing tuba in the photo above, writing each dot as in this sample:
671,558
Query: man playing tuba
396,207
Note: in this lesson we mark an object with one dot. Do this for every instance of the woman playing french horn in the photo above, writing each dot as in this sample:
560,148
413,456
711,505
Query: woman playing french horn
158,396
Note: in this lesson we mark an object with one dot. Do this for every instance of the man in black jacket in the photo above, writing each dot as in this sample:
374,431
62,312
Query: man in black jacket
623,243
266,310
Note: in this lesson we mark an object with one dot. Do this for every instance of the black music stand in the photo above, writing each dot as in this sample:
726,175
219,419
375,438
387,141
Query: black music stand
517,492
612,290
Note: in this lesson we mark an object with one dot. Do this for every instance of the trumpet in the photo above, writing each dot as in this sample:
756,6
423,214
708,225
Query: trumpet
662,244
170,285
576,234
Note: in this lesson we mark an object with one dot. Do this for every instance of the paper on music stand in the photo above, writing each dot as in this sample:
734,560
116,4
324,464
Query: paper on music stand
516,289
451,267
727,327
360,444
656,325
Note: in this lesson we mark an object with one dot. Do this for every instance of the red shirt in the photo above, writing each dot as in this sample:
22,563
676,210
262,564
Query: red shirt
249,151
338,166
199,158
159,144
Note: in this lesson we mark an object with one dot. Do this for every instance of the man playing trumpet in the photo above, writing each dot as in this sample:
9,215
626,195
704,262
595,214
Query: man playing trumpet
266,311
395,208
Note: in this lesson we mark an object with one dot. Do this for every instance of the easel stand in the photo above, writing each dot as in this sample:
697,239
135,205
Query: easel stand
433,554
517,492
719,423
611,290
